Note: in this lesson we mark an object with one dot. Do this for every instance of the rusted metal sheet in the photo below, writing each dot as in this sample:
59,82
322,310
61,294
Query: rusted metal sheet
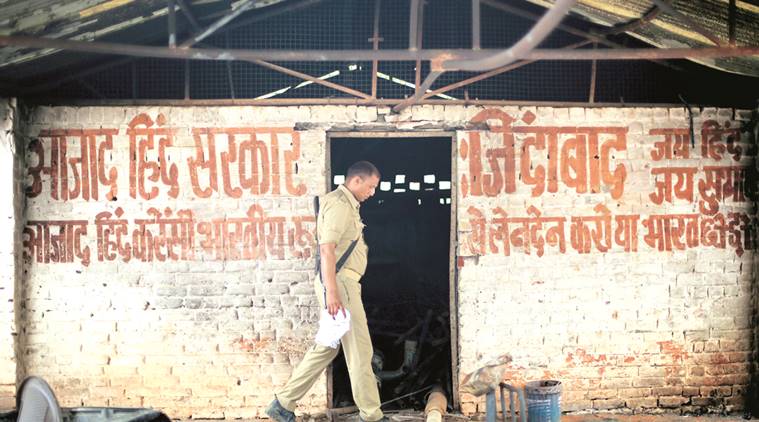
82,20
450,59
331,101
88,19
692,24
521,48
678,25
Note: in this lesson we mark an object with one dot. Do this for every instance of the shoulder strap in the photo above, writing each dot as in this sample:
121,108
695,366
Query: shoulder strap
317,255
340,262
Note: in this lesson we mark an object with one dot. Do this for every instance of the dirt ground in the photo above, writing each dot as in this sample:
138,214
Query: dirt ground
418,416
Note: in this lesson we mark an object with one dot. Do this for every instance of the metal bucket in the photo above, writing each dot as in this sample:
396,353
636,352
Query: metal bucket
543,400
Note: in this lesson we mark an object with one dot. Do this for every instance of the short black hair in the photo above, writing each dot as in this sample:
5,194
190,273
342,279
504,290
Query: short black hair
362,169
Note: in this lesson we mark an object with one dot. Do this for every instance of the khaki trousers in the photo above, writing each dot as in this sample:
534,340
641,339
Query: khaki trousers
358,350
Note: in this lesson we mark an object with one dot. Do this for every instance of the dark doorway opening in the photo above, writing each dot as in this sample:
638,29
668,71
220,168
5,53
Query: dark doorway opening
406,288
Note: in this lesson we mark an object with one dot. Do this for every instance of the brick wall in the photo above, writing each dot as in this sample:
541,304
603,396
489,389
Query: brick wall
613,255
178,276
8,276
752,397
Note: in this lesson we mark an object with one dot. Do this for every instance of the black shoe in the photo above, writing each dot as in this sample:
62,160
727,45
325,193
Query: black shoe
279,413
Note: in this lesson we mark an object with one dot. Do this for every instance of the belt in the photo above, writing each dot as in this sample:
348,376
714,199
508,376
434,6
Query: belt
350,274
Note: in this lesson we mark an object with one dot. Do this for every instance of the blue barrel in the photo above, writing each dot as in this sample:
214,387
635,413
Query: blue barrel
543,400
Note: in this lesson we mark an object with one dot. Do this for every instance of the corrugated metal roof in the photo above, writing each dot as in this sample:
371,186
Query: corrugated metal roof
88,20
80,20
667,31
144,22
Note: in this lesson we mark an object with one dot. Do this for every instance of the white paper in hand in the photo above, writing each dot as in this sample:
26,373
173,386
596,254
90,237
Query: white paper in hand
331,330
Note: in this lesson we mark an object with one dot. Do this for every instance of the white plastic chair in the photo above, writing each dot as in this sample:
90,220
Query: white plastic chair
36,402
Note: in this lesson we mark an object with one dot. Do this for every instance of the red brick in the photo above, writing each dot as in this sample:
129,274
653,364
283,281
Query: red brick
634,392
705,401
602,394
672,402
643,402
667,391
608,404
696,371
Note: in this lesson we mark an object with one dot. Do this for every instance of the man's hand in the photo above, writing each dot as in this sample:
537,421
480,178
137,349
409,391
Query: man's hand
334,304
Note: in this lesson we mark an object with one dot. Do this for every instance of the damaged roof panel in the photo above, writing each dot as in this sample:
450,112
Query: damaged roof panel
89,20
146,23
668,31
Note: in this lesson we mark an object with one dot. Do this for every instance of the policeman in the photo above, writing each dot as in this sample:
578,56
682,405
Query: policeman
340,234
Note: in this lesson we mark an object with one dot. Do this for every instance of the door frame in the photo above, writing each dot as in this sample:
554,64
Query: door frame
453,296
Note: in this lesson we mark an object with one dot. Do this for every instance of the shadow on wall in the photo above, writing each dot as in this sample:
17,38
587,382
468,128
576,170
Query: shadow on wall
19,195
752,184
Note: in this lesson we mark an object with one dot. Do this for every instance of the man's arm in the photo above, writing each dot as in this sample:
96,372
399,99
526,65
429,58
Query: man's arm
329,278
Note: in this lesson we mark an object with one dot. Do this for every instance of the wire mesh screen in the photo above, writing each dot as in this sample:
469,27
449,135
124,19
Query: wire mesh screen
350,24
396,79
650,83
209,79
157,78
338,24
537,81
105,83
447,24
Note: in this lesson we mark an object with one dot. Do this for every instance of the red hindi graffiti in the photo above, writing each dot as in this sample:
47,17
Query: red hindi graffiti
717,140
603,232
146,164
55,241
73,176
236,160
675,144
578,157
169,235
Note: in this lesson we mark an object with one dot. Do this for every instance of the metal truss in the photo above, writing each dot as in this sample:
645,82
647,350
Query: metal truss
490,62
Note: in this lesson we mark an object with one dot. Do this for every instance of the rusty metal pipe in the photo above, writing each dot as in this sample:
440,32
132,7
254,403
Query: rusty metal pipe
413,22
476,7
375,45
731,12
593,75
491,73
529,41
643,53
566,28
428,81
219,24
310,78
231,54
436,405
461,55
187,80
325,101
188,14
230,79
172,24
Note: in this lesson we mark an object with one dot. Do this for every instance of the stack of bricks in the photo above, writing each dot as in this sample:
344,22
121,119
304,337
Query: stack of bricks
168,251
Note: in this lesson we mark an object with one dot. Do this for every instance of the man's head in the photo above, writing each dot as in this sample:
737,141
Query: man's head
362,180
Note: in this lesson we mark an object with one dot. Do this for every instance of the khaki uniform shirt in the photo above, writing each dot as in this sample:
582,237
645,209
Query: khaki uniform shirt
340,223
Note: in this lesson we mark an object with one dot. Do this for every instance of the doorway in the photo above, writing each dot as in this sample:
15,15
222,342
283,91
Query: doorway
407,285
